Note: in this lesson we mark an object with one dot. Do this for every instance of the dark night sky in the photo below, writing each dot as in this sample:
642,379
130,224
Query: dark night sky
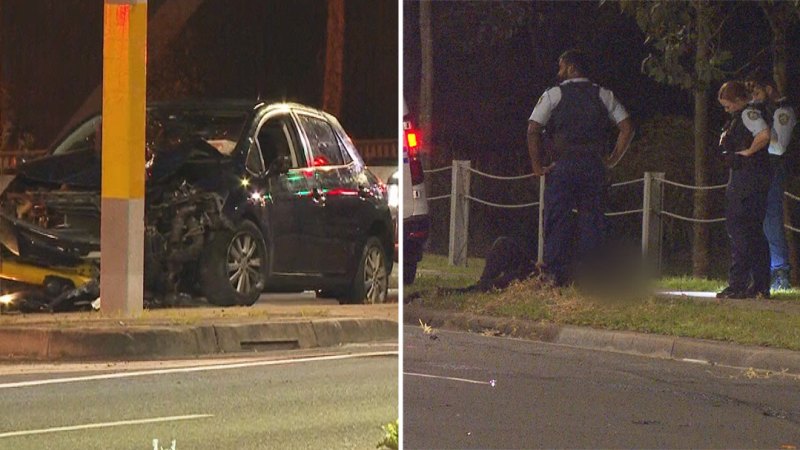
484,91
483,95
52,56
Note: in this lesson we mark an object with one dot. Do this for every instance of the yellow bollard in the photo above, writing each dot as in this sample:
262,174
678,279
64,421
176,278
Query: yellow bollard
123,141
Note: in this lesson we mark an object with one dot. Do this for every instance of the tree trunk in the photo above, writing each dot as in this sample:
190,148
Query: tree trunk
426,82
162,30
701,233
334,58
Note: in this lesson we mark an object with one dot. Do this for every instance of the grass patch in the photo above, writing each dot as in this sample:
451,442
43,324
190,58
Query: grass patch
434,271
685,283
637,311
310,312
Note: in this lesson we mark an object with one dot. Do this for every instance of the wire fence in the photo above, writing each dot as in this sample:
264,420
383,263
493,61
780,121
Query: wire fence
608,214
651,210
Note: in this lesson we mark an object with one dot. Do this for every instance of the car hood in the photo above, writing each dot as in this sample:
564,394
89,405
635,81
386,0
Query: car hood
82,169
78,169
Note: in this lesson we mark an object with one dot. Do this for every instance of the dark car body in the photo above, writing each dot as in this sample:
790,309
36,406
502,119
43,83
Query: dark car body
223,179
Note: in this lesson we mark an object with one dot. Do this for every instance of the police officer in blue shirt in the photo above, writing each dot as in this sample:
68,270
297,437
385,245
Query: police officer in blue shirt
575,115
744,141
780,114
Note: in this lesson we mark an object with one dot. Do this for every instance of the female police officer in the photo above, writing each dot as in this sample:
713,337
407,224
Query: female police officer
743,143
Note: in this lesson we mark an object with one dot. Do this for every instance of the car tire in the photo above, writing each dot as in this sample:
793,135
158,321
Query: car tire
409,272
233,266
371,283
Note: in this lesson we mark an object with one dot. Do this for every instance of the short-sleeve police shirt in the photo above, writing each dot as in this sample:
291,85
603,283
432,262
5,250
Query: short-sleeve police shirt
551,97
752,119
784,121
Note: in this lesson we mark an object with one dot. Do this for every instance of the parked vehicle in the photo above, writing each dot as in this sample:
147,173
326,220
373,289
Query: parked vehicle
416,221
241,197
393,192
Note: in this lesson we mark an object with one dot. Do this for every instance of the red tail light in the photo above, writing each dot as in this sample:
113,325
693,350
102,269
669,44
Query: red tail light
413,145
411,141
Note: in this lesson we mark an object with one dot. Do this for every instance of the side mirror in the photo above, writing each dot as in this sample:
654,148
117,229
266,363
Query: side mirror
280,165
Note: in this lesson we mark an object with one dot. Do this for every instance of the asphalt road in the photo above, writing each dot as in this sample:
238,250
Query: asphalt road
322,400
470,391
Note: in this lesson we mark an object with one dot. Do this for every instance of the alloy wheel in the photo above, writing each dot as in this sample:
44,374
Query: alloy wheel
244,263
375,278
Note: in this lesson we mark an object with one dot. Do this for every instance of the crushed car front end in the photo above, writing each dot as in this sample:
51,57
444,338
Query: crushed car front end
50,212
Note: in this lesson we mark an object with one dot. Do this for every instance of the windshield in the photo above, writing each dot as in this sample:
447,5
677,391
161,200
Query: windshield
220,129
83,138
167,129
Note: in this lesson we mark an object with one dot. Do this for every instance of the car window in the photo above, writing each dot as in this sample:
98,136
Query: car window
345,154
83,138
254,164
349,149
325,149
277,138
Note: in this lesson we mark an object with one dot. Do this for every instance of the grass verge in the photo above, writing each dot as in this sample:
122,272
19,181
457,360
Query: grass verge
638,311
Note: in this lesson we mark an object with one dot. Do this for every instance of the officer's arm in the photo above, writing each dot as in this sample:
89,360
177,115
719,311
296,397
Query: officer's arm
760,142
624,139
535,148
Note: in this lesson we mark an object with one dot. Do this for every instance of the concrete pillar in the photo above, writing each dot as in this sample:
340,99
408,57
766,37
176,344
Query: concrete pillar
122,205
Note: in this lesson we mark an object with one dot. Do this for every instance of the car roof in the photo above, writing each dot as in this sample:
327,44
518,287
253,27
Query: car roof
245,106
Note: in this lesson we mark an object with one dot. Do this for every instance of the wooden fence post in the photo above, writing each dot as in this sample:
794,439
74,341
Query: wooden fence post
540,251
459,213
651,220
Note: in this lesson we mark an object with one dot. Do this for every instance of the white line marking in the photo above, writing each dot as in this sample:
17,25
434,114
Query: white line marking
111,376
696,361
104,425
464,380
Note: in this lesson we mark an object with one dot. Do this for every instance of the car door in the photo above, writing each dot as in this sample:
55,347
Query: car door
335,175
291,214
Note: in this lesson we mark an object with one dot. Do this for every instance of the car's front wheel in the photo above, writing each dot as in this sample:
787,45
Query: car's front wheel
233,266
371,283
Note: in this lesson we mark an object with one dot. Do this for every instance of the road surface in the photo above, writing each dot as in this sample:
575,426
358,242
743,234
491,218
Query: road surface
470,391
309,399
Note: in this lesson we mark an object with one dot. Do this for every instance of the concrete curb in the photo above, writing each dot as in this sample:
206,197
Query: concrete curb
668,347
42,343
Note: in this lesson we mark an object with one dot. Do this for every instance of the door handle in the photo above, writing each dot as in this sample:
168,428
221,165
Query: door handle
319,196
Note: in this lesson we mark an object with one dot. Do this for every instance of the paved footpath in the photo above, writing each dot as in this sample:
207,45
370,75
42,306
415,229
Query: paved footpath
671,347
195,331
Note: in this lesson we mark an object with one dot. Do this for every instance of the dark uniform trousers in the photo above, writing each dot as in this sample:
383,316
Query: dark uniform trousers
746,207
746,198
579,183
578,180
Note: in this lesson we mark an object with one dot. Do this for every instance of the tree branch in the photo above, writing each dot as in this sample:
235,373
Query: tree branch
747,64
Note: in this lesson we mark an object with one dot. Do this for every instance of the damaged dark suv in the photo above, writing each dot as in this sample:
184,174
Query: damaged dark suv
241,197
